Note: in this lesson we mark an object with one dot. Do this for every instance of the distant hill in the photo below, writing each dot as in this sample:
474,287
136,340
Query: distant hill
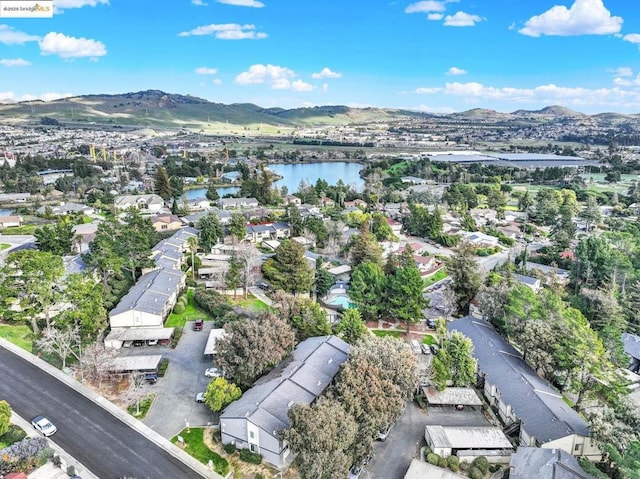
158,109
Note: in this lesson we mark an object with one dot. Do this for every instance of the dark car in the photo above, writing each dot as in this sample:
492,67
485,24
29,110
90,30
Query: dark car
264,285
198,324
434,348
431,323
151,378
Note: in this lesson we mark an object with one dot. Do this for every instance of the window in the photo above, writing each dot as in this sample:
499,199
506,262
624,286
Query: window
164,227
252,434
254,448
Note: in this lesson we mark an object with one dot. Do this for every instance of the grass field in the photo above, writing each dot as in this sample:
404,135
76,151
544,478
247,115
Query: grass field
251,303
4,246
440,275
429,339
18,230
20,335
194,445
393,333
191,313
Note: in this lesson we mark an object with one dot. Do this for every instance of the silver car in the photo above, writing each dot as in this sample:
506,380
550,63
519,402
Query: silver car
43,425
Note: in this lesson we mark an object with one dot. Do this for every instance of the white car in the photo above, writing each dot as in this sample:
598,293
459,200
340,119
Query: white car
43,425
200,397
214,373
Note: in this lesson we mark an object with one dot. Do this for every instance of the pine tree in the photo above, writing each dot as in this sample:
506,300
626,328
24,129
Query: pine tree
161,186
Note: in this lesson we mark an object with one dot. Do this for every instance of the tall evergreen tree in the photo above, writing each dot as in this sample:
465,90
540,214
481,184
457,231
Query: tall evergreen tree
161,186
463,269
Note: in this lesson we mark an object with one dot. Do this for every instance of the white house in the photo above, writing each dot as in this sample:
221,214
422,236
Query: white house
523,400
253,421
150,300
152,203
232,203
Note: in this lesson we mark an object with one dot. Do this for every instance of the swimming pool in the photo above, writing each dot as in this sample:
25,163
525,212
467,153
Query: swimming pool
340,301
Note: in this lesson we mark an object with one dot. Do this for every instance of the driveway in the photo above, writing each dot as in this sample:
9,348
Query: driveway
174,404
392,457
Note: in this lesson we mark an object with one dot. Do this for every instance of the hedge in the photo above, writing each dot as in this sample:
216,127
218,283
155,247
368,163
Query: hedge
475,473
251,457
433,458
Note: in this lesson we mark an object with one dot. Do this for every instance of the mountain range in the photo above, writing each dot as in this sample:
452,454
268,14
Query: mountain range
156,108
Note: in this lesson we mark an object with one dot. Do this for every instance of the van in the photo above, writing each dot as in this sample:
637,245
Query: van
415,345
198,324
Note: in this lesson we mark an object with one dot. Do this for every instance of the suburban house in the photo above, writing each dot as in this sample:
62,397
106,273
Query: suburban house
253,421
233,203
479,239
413,180
528,462
149,301
423,470
65,209
467,443
15,197
267,231
152,203
309,210
166,222
357,203
530,282
197,204
326,202
632,348
527,404
292,200
550,273
396,226
10,221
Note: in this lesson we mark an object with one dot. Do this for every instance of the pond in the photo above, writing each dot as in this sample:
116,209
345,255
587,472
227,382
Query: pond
331,172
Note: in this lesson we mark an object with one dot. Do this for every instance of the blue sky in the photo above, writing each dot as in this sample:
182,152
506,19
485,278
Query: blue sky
437,56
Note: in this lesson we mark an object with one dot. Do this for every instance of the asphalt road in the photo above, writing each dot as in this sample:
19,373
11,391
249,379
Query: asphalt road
101,442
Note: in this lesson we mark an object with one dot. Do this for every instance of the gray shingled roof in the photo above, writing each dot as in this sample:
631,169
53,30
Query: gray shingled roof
631,345
541,463
539,405
525,279
151,292
299,379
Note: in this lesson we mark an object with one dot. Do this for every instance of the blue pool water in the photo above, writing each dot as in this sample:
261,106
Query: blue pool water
342,301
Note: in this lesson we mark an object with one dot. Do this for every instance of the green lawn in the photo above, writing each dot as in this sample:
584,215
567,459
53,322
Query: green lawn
191,313
195,447
439,276
429,339
145,405
251,303
4,246
18,230
394,333
18,334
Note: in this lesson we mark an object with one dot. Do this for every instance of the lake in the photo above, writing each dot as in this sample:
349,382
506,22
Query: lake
331,172
293,174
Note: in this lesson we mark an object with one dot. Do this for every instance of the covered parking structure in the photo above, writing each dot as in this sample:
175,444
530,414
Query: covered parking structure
469,442
451,397
120,336
210,349
125,365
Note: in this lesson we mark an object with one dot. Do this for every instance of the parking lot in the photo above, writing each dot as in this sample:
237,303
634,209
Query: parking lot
392,457
174,405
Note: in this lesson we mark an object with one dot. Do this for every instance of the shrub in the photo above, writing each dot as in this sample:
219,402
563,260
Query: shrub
433,458
13,435
475,473
464,466
212,302
229,448
162,367
257,475
25,455
442,462
453,463
71,470
251,457
178,308
177,333
481,463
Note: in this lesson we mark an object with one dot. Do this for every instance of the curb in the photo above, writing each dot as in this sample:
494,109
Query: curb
81,469
123,416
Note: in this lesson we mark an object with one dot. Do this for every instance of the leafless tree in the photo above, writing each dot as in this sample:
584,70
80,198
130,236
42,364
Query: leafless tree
61,342
97,363
137,390
248,255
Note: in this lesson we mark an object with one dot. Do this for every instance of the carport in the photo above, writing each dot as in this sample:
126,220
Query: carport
136,364
210,348
452,397
118,336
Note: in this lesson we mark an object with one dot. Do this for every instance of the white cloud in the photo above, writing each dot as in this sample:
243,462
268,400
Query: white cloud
10,36
243,3
71,47
454,71
199,3
60,5
584,17
226,31
435,16
279,78
206,71
461,19
427,91
217,81
632,38
14,62
299,85
426,7
622,72
11,97
326,73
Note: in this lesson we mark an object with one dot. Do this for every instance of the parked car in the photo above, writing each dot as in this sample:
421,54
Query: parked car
425,348
264,285
151,378
214,373
435,348
383,433
354,472
138,343
431,323
152,342
198,324
127,344
200,397
42,424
